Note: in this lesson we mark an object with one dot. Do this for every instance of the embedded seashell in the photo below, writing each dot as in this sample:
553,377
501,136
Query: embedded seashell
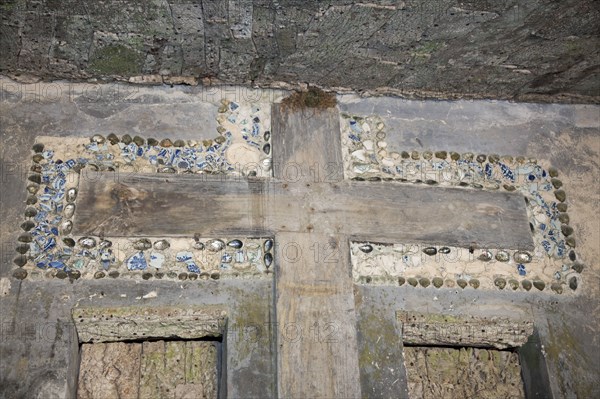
87,242
215,245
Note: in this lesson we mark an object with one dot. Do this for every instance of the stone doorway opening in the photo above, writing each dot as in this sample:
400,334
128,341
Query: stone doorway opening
146,369
156,352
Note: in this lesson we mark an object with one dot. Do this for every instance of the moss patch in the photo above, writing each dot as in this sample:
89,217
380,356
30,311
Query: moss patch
314,98
116,59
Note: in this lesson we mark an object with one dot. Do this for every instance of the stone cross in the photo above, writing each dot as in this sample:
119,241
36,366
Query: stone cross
313,213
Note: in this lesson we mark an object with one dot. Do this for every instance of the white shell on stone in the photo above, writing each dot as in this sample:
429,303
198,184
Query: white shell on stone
69,210
71,194
66,227
360,155
87,242
368,144
161,245
215,245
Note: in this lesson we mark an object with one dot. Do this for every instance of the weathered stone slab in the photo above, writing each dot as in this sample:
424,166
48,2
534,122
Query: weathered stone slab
450,330
126,323
109,371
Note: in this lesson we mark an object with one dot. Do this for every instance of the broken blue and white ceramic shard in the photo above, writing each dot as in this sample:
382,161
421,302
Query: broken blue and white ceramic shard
137,262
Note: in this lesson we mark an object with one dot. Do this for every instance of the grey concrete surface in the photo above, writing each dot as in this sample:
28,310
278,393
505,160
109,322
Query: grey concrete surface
531,50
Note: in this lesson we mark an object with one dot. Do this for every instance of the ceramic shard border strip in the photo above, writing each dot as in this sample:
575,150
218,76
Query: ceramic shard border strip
368,157
242,148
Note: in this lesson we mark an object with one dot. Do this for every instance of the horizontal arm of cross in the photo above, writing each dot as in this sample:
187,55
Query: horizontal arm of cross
181,205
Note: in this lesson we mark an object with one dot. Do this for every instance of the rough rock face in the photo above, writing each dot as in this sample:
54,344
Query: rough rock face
462,373
511,49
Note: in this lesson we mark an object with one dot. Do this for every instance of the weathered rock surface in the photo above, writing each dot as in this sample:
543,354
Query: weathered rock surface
527,50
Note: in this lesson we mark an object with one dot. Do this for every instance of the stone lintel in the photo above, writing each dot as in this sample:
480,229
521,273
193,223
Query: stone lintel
435,329
97,324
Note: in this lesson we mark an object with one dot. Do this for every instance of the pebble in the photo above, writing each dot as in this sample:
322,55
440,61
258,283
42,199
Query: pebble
139,141
514,284
468,156
556,287
526,284
564,218
99,275
415,155
161,245
31,200
20,274
105,244
179,143
572,256
444,250
461,283
486,256
113,274
424,282
35,178
578,267
438,282
412,281
146,276
61,274
27,225
152,142
455,156
142,244
112,138
430,251
38,148
553,172
566,230
522,257
20,260
33,188
69,242
37,158
30,212
126,139
560,195
441,154
198,245
570,241
500,283
215,245
539,284
366,248
494,158
25,237
573,283
481,158
401,281
556,183
502,256
267,136
22,248
87,242
427,155
267,148
167,169
167,143
474,283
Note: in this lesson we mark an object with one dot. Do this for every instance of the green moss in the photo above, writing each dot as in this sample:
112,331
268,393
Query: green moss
116,59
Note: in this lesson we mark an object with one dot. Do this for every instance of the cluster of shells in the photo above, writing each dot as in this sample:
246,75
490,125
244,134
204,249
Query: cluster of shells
367,156
451,267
